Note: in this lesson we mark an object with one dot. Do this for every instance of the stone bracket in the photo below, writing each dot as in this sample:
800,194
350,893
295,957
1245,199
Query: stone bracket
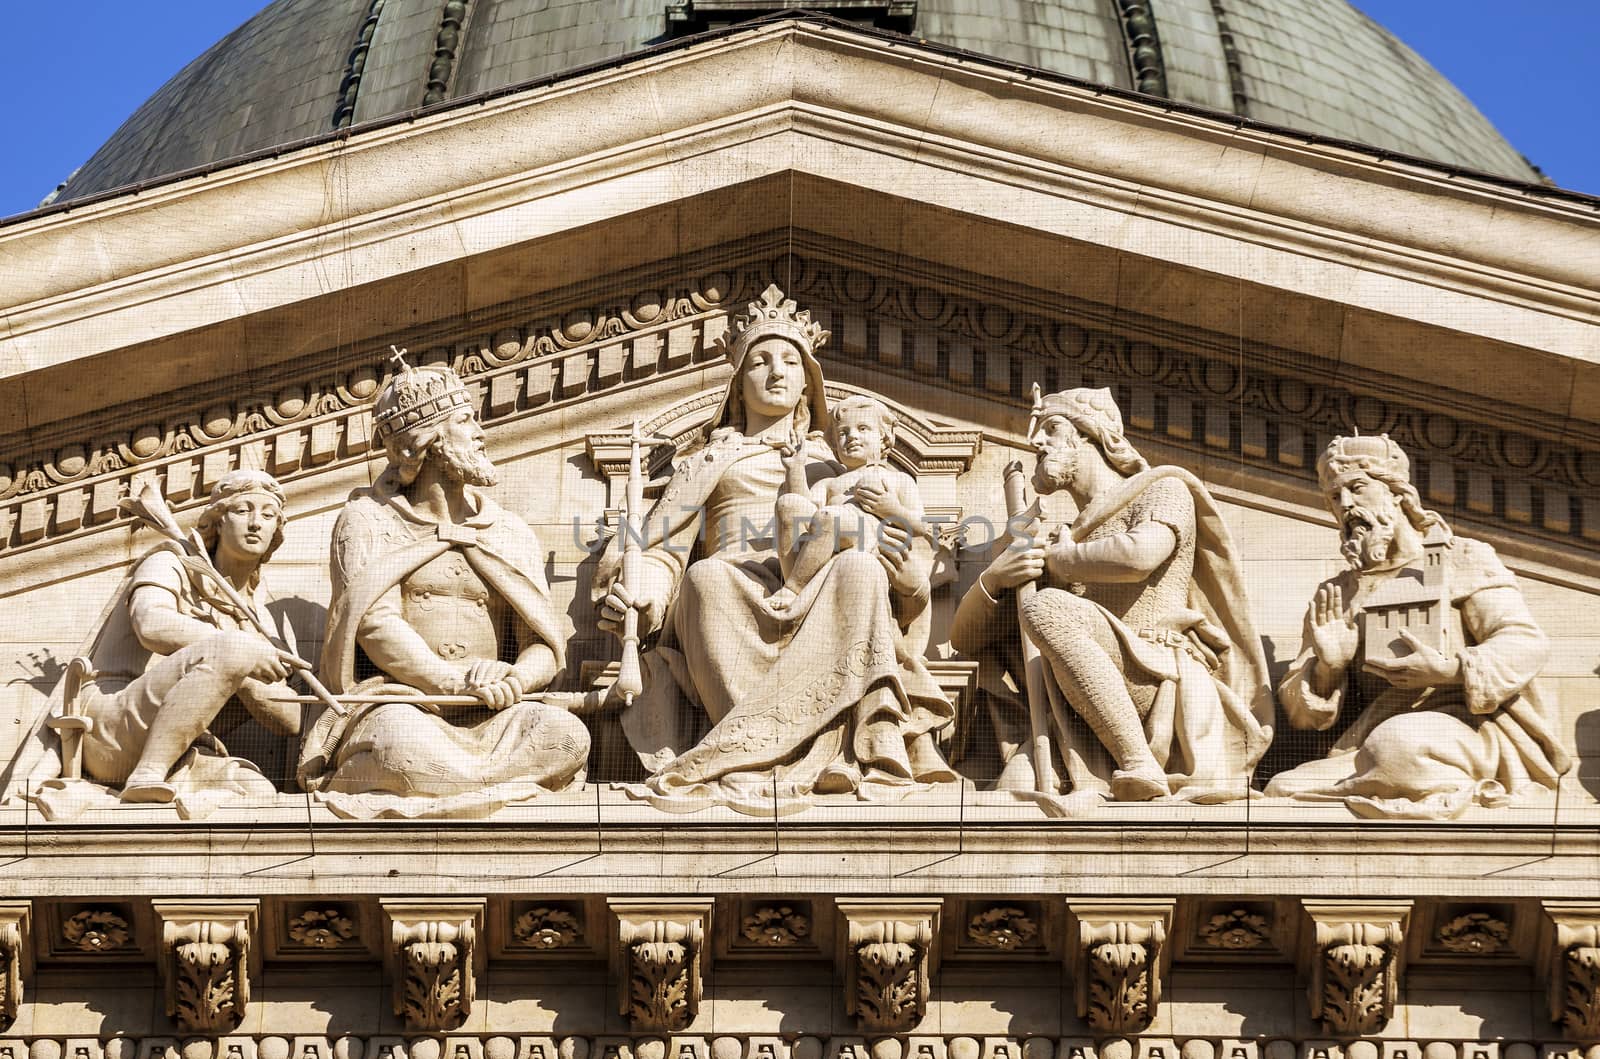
1352,956
888,953
16,958
1119,958
207,961
1569,963
658,962
433,959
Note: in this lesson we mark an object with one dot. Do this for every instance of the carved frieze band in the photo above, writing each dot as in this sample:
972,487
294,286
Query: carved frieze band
887,957
1119,956
432,960
1572,968
206,962
66,480
659,961
1354,951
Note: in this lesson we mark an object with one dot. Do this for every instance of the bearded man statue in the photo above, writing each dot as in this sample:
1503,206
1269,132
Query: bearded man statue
440,627
1425,648
1156,678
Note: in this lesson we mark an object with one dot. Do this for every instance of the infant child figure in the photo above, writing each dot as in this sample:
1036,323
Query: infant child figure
848,511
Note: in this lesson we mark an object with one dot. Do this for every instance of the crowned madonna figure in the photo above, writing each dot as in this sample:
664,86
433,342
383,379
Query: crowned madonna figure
823,692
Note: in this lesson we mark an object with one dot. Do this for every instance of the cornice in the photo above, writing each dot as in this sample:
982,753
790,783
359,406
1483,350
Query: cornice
793,96
1264,411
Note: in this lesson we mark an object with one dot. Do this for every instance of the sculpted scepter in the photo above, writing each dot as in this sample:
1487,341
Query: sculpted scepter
1160,670
630,681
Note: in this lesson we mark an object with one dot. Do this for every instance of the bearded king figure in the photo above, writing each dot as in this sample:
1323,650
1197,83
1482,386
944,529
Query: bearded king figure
1442,706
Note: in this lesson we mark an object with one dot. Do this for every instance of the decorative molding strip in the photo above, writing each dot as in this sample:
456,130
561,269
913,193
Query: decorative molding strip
306,427
659,960
773,1046
1230,55
16,958
441,72
1571,968
888,956
1144,46
355,67
1119,958
433,960
1353,960
207,961
1271,412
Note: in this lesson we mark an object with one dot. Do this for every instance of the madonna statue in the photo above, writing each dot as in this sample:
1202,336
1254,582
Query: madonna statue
824,694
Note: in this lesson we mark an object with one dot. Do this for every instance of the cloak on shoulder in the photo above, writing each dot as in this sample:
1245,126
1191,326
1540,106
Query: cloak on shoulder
378,543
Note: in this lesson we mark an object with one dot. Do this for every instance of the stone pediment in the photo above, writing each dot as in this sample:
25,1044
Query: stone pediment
905,780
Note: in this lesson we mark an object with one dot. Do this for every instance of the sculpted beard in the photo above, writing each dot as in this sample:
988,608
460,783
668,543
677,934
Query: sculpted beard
465,463
1367,536
1054,471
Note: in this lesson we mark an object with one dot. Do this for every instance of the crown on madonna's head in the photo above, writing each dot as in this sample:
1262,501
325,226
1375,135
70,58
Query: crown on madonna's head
772,315
416,397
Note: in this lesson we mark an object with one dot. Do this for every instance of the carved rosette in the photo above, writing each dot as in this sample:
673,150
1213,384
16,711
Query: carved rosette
207,960
15,958
1355,964
660,961
776,926
1002,927
888,959
1474,934
96,930
432,959
546,929
1119,958
1572,969
1237,930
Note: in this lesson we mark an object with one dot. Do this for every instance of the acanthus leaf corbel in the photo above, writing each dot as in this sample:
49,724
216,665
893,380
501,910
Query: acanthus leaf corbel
208,959
1119,960
433,960
659,960
888,954
1353,958
16,958
1570,966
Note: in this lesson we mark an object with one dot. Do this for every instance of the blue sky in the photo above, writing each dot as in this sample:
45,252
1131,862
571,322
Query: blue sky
1527,67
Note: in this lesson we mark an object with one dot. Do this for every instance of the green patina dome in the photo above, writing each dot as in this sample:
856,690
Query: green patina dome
301,68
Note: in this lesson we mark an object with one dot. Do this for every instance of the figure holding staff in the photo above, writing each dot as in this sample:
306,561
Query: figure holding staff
186,633
1139,611
438,599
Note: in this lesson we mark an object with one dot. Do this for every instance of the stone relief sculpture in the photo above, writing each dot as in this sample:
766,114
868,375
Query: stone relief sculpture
181,637
824,693
1425,648
843,512
1155,677
440,626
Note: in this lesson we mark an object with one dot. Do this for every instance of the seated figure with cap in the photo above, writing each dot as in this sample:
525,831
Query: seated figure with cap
440,627
1155,677
1423,651
173,647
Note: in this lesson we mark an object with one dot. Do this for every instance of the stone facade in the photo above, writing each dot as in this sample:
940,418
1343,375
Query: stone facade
570,782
